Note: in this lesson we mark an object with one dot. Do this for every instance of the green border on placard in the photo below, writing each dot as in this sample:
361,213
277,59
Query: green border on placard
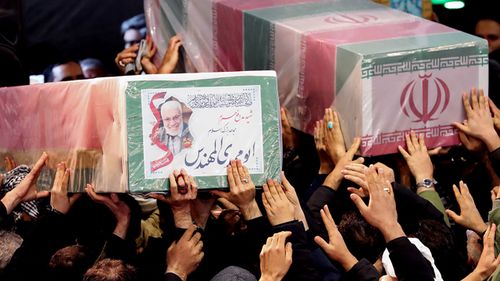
271,130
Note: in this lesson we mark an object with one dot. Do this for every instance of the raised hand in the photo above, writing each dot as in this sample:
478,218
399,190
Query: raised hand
278,208
469,215
479,124
120,209
147,65
276,257
26,189
241,190
10,164
355,173
381,210
183,190
333,137
126,56
184,256
59,198
417,157
488,263
335,177
291,195
289,137
335,248
325,163
171,57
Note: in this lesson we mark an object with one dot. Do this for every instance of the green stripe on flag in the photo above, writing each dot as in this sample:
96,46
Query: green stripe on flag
345,63
258,43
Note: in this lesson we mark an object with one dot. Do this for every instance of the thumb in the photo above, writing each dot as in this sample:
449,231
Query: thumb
220,193
321,242
358,202
453,215
42,194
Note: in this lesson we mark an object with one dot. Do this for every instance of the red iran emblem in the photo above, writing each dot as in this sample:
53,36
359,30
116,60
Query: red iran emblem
341,18
432,102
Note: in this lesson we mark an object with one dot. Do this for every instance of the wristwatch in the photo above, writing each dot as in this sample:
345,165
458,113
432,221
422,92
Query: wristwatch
427,183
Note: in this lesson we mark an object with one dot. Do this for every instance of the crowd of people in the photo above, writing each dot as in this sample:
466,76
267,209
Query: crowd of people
331,216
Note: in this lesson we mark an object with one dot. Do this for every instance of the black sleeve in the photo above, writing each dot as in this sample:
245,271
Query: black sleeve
3,215
412,208
363,270
409,264
171,277
321,197
303,266
495,159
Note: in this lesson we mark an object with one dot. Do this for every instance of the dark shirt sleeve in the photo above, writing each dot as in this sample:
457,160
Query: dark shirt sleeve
363,270
303,266
409,264
3,215
413,208
321,197
171,277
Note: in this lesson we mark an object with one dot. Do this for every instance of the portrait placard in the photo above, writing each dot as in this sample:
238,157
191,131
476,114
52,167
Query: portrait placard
199,122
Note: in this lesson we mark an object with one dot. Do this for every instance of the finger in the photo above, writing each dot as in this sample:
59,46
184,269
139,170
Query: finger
361,182
193,184
286,183
221,194
188,234
230,179
173,185
195,238
65,181
279,190
329,224
467,106
359,203
483,102
321,242
241,170
236,175
284,118
35,171
464,189
474,99
453,215
354,147
462,127
358,191
409,144
458,195
273,190
288,252
265,199
421,142
42,194
360,160
227,204
74,197
56,185
281,238
414,141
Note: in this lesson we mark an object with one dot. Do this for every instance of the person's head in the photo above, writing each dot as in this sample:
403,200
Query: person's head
67,71
171,116
133,30
69,263
9,243
362,239
489,29
92,68
111,270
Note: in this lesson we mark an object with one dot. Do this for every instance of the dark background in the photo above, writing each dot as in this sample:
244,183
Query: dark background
57,30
